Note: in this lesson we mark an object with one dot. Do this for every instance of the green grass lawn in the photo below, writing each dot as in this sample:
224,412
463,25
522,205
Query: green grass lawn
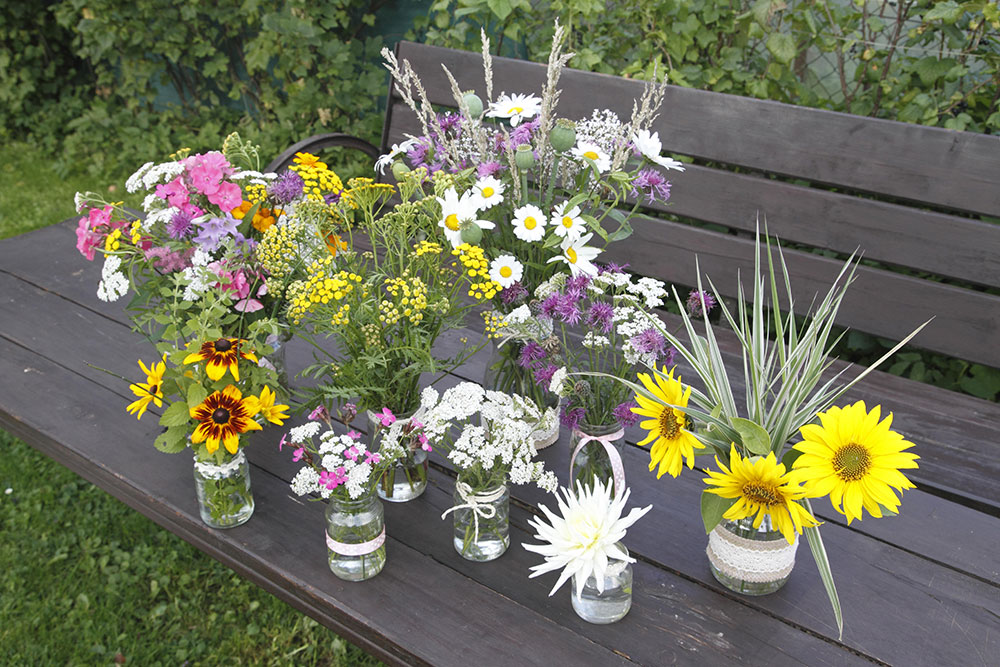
84,579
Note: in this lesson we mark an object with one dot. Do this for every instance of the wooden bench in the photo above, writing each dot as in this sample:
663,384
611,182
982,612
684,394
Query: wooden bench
921,588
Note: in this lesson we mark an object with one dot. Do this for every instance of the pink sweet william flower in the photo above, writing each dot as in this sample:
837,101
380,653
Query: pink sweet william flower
86,239
353,435
386,417
352,453
330,479
298,453
319,413
282,443
424,444
372,457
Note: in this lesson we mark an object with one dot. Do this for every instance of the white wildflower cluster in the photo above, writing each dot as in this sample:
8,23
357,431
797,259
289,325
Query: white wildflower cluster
198,276
153,203
134,182
162,216
650,290
344,462
253,177
149,175
114,284
501,442
80,200
595,341
558,380
551,286
521,324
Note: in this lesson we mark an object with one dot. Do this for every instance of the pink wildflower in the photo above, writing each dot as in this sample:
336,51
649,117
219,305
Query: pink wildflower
319,413
227,196
386,417
424,444
87,240
330,479
353,435
298,453
174,192
352,453
372,457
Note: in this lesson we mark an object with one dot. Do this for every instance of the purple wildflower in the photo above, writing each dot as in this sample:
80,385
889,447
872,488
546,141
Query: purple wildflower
332,197
624,415
530,353
287,187
578,283
418,153
488,169
571,418
649,341
516,292
319,413
549,305
700,303
600,316
213,230
348,412
670,356
568,309
179,226
523,133
611,267
450,121
652,184
543,374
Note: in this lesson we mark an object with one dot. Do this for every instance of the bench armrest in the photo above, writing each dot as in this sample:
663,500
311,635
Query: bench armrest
317,143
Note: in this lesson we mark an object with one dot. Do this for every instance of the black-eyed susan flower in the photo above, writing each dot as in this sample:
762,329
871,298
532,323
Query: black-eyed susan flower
222,355
150,391
855,458
761,488
222,417
274,413
672,442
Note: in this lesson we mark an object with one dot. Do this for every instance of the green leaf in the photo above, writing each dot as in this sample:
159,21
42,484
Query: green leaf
500,8
196,394
712,509
823,564
782,47
948,12
789,458
754,438
930,69
176,415
173,440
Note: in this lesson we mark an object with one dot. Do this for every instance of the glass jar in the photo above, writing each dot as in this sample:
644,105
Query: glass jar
277,360
482,521
407,479
504,373
748,560
355,537
222,485
612,602
592,461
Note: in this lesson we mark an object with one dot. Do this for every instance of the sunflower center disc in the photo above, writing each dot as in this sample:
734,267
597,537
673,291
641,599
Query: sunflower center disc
223,345
762,494
851,462
221,416
669,428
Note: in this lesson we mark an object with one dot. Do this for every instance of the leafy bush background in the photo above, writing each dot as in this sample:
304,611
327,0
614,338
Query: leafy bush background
104,85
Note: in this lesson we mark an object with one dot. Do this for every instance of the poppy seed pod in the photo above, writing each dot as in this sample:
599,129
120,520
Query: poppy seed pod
471,233
399,170
474,103
563,135
524,158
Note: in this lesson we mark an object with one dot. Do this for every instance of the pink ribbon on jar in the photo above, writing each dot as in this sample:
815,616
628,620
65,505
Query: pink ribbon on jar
617,469
361,549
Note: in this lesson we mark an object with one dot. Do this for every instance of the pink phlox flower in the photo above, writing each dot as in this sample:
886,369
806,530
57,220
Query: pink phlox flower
422,438
372,457
174,192
86,239
353,435
386,417
352,453
190,209
298,454
99,216
227,196
167,260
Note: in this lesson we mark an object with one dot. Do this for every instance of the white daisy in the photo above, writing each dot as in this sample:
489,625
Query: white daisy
649,145
506,270
585,538
516,107
529,223
578,255
567,223
591,151
396,150
457,211
489,192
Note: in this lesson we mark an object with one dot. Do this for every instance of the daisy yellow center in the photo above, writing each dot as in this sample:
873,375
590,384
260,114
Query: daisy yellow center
852,462
514,110
669,428
762,494
567,221
221,416
530,222
488,192
451,222
505,271
223,345
571,255
591,155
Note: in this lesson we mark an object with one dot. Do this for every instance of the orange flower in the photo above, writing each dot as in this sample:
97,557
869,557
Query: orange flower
240,211
334,243
222,355
309,160
264,218
224,415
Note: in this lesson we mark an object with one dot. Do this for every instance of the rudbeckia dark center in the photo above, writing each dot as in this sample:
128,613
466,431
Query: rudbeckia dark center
223,345
762,494
669,428
153,388
221,416
852,462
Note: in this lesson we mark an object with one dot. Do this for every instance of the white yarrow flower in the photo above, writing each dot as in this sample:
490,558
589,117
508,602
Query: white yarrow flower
585,537
506,270
558,378
529,223
516,107
135,181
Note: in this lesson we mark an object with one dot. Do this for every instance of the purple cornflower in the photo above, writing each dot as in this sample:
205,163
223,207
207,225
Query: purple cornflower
488,169
611,267
213,230
649,341
516,292
568,309
179,226
522,133
543,374
571,418
578,283
530,353
549,305
332,197
700,303
600,316
450,121
418,153
287,187
668,358
652,184
624,415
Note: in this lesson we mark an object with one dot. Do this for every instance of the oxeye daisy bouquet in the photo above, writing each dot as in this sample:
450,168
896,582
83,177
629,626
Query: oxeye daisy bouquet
761,488
539,193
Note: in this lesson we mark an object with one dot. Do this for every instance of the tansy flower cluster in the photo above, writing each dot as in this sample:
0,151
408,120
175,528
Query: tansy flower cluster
318,179
321,287
409,300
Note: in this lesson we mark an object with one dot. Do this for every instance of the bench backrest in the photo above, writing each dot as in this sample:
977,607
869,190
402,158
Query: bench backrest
912,197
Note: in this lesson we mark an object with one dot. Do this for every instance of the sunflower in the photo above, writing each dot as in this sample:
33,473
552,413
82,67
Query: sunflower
222,355
761,487
673,442
265,405
150,391
855,459
223,416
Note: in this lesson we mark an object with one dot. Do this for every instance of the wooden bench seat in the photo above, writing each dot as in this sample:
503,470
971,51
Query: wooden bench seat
920,588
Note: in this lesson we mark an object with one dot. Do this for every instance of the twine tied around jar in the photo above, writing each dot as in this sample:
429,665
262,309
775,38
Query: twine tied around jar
481,504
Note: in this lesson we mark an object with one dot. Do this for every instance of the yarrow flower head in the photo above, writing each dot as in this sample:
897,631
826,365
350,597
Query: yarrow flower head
583,540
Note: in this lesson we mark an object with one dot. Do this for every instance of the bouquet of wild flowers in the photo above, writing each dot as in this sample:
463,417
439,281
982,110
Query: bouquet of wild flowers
851,455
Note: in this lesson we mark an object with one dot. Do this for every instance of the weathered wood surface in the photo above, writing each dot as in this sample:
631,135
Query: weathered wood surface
929,572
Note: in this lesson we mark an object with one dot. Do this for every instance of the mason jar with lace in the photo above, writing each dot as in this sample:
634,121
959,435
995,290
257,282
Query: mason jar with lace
222,485
355,537
748,560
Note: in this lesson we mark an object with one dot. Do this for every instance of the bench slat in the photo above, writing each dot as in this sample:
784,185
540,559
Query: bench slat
958,170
